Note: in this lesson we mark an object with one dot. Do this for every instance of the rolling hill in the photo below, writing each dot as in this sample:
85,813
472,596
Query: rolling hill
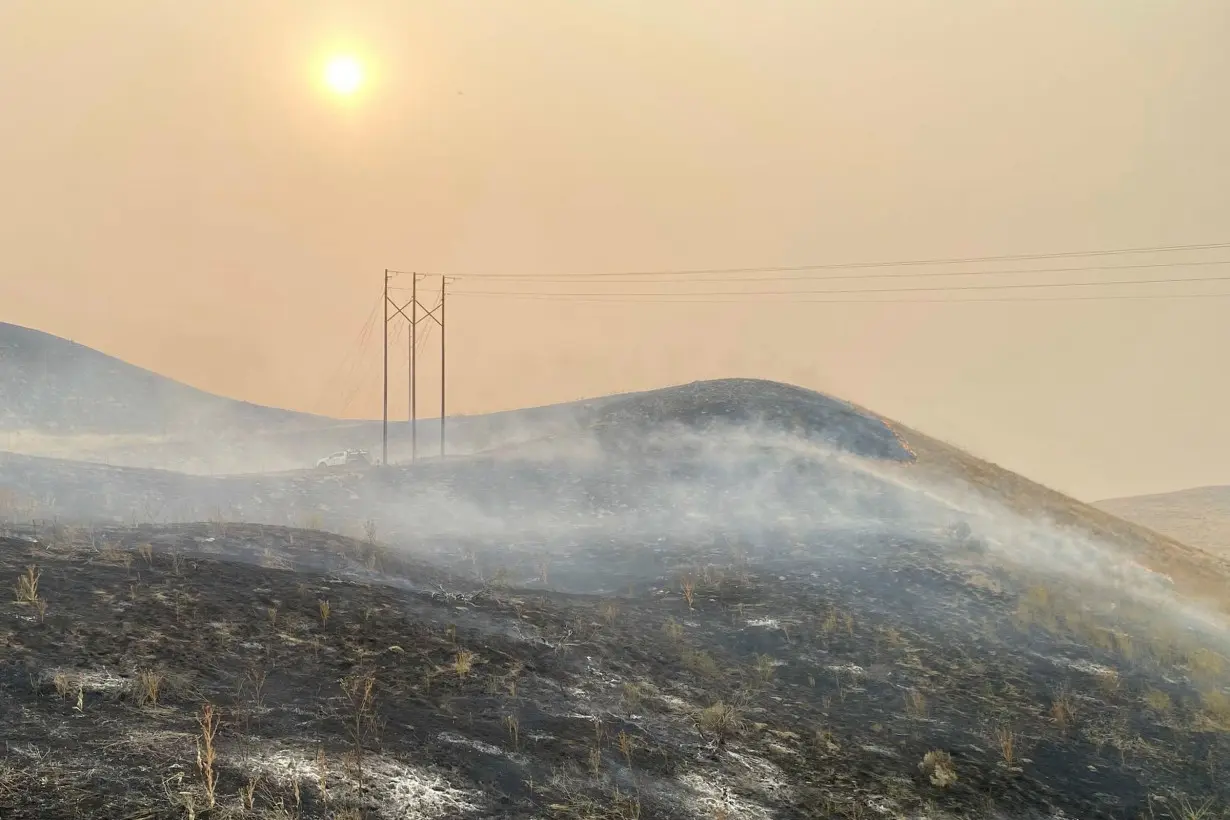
1199,517
60,399
732,598
51,385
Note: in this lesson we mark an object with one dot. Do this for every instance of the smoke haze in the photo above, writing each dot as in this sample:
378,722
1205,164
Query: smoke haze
179,193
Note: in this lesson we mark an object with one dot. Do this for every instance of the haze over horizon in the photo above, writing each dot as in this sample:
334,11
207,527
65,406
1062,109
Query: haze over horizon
182,193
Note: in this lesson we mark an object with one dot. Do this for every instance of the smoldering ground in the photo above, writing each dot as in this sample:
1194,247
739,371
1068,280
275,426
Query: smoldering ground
767,492
637,575
752,484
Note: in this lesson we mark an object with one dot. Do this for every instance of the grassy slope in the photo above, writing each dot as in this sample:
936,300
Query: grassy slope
1196,572
1199,517
49,384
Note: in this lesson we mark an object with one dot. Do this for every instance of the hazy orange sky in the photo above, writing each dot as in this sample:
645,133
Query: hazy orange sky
178,190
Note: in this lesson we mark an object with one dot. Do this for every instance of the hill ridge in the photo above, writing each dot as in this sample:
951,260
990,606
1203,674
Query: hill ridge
53,384
1199,516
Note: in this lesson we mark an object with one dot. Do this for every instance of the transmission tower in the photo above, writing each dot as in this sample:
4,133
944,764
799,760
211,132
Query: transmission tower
413,318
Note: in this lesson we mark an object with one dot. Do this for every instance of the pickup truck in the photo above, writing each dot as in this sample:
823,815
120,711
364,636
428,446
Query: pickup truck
345,458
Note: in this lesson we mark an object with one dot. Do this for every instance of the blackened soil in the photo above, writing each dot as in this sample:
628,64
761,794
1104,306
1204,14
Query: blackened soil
348,679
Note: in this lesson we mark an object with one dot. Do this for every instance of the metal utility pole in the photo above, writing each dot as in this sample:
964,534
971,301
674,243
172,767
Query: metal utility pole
443,283
384,455
414,334
436,314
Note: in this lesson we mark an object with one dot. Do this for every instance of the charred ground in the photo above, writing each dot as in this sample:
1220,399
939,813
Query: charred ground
725,600
717,686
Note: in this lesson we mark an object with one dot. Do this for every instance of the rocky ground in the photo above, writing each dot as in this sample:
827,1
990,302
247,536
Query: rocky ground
223,670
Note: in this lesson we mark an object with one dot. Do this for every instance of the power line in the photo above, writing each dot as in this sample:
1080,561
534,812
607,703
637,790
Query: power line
879,264
930,288
350,358
425,336
862,276
362,376
1098,298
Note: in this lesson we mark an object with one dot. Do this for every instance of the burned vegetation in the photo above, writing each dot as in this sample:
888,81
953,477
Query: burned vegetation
170,671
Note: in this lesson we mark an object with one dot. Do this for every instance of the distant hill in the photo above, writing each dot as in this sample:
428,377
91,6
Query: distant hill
1199,517
51,385
76,397
63,399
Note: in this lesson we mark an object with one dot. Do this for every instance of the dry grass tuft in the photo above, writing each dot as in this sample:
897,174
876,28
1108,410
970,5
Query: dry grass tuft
633,694
363,724
1217,708
148,687
700,663
625,746
206,754
514,730
938,767
247,793
1158,701
1206,664
609,613
1006,738
463,663
763,668
1063,709
825,741
719,721
65,684
27,586
322,775
688,585
115,557
1182,808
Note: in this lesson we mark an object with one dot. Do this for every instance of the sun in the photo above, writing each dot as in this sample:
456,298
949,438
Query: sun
344,75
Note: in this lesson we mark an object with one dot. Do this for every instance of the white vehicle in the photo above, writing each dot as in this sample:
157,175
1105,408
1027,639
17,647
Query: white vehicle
345,458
